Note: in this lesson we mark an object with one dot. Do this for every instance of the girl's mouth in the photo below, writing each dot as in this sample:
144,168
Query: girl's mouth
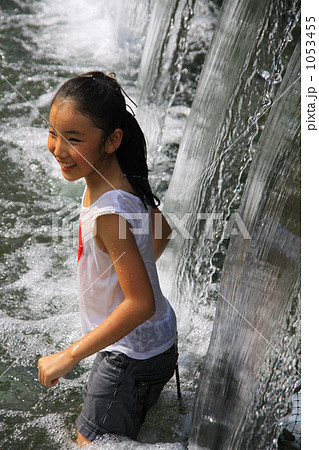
67,167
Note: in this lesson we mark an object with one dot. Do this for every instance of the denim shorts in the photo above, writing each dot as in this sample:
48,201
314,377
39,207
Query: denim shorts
121,390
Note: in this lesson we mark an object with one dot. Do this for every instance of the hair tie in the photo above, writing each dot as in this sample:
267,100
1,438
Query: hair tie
85,75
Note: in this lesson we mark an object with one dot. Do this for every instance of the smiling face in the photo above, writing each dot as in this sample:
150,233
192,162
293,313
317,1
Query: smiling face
68,126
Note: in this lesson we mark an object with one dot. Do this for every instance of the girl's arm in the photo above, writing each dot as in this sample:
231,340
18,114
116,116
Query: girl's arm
136,308
161,232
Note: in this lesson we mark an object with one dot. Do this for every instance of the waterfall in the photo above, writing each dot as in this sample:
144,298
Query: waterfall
166,30
176,44
216,149
252,364
131,31
227,116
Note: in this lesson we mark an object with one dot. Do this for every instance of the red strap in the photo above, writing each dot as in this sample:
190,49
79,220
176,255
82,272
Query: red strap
80,248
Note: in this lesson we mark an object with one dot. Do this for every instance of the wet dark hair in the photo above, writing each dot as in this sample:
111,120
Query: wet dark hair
100,98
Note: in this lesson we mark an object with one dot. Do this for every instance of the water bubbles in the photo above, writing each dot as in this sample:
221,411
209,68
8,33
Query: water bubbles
275,78
264,74
209,419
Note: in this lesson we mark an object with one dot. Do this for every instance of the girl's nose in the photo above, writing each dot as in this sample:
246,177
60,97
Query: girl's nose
61,148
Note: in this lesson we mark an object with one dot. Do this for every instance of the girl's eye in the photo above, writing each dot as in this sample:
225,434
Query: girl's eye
74,140
52,134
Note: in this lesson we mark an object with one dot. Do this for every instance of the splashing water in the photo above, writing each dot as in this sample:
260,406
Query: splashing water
41,45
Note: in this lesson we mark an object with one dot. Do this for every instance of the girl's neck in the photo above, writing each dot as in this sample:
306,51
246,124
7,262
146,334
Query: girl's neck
109,177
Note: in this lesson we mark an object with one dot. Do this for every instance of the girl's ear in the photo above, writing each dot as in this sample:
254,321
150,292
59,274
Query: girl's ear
114,141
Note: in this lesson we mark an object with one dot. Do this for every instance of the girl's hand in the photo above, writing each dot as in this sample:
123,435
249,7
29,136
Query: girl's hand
54,366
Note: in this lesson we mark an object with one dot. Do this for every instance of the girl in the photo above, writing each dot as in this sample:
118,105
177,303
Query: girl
125,317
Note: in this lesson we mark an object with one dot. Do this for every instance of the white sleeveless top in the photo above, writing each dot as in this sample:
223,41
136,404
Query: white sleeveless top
99,289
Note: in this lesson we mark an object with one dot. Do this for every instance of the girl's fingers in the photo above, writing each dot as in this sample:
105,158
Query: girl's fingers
52,367
42,378
54,382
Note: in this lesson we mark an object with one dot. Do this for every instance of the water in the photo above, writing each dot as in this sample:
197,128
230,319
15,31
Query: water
175,52
252,366
227,116
41,45
237,87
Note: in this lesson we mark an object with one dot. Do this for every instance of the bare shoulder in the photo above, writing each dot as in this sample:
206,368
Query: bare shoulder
114,232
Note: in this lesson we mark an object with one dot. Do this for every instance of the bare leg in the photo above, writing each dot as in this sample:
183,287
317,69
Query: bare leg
82,440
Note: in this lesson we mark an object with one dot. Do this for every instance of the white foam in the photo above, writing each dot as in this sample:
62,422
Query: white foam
77,30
